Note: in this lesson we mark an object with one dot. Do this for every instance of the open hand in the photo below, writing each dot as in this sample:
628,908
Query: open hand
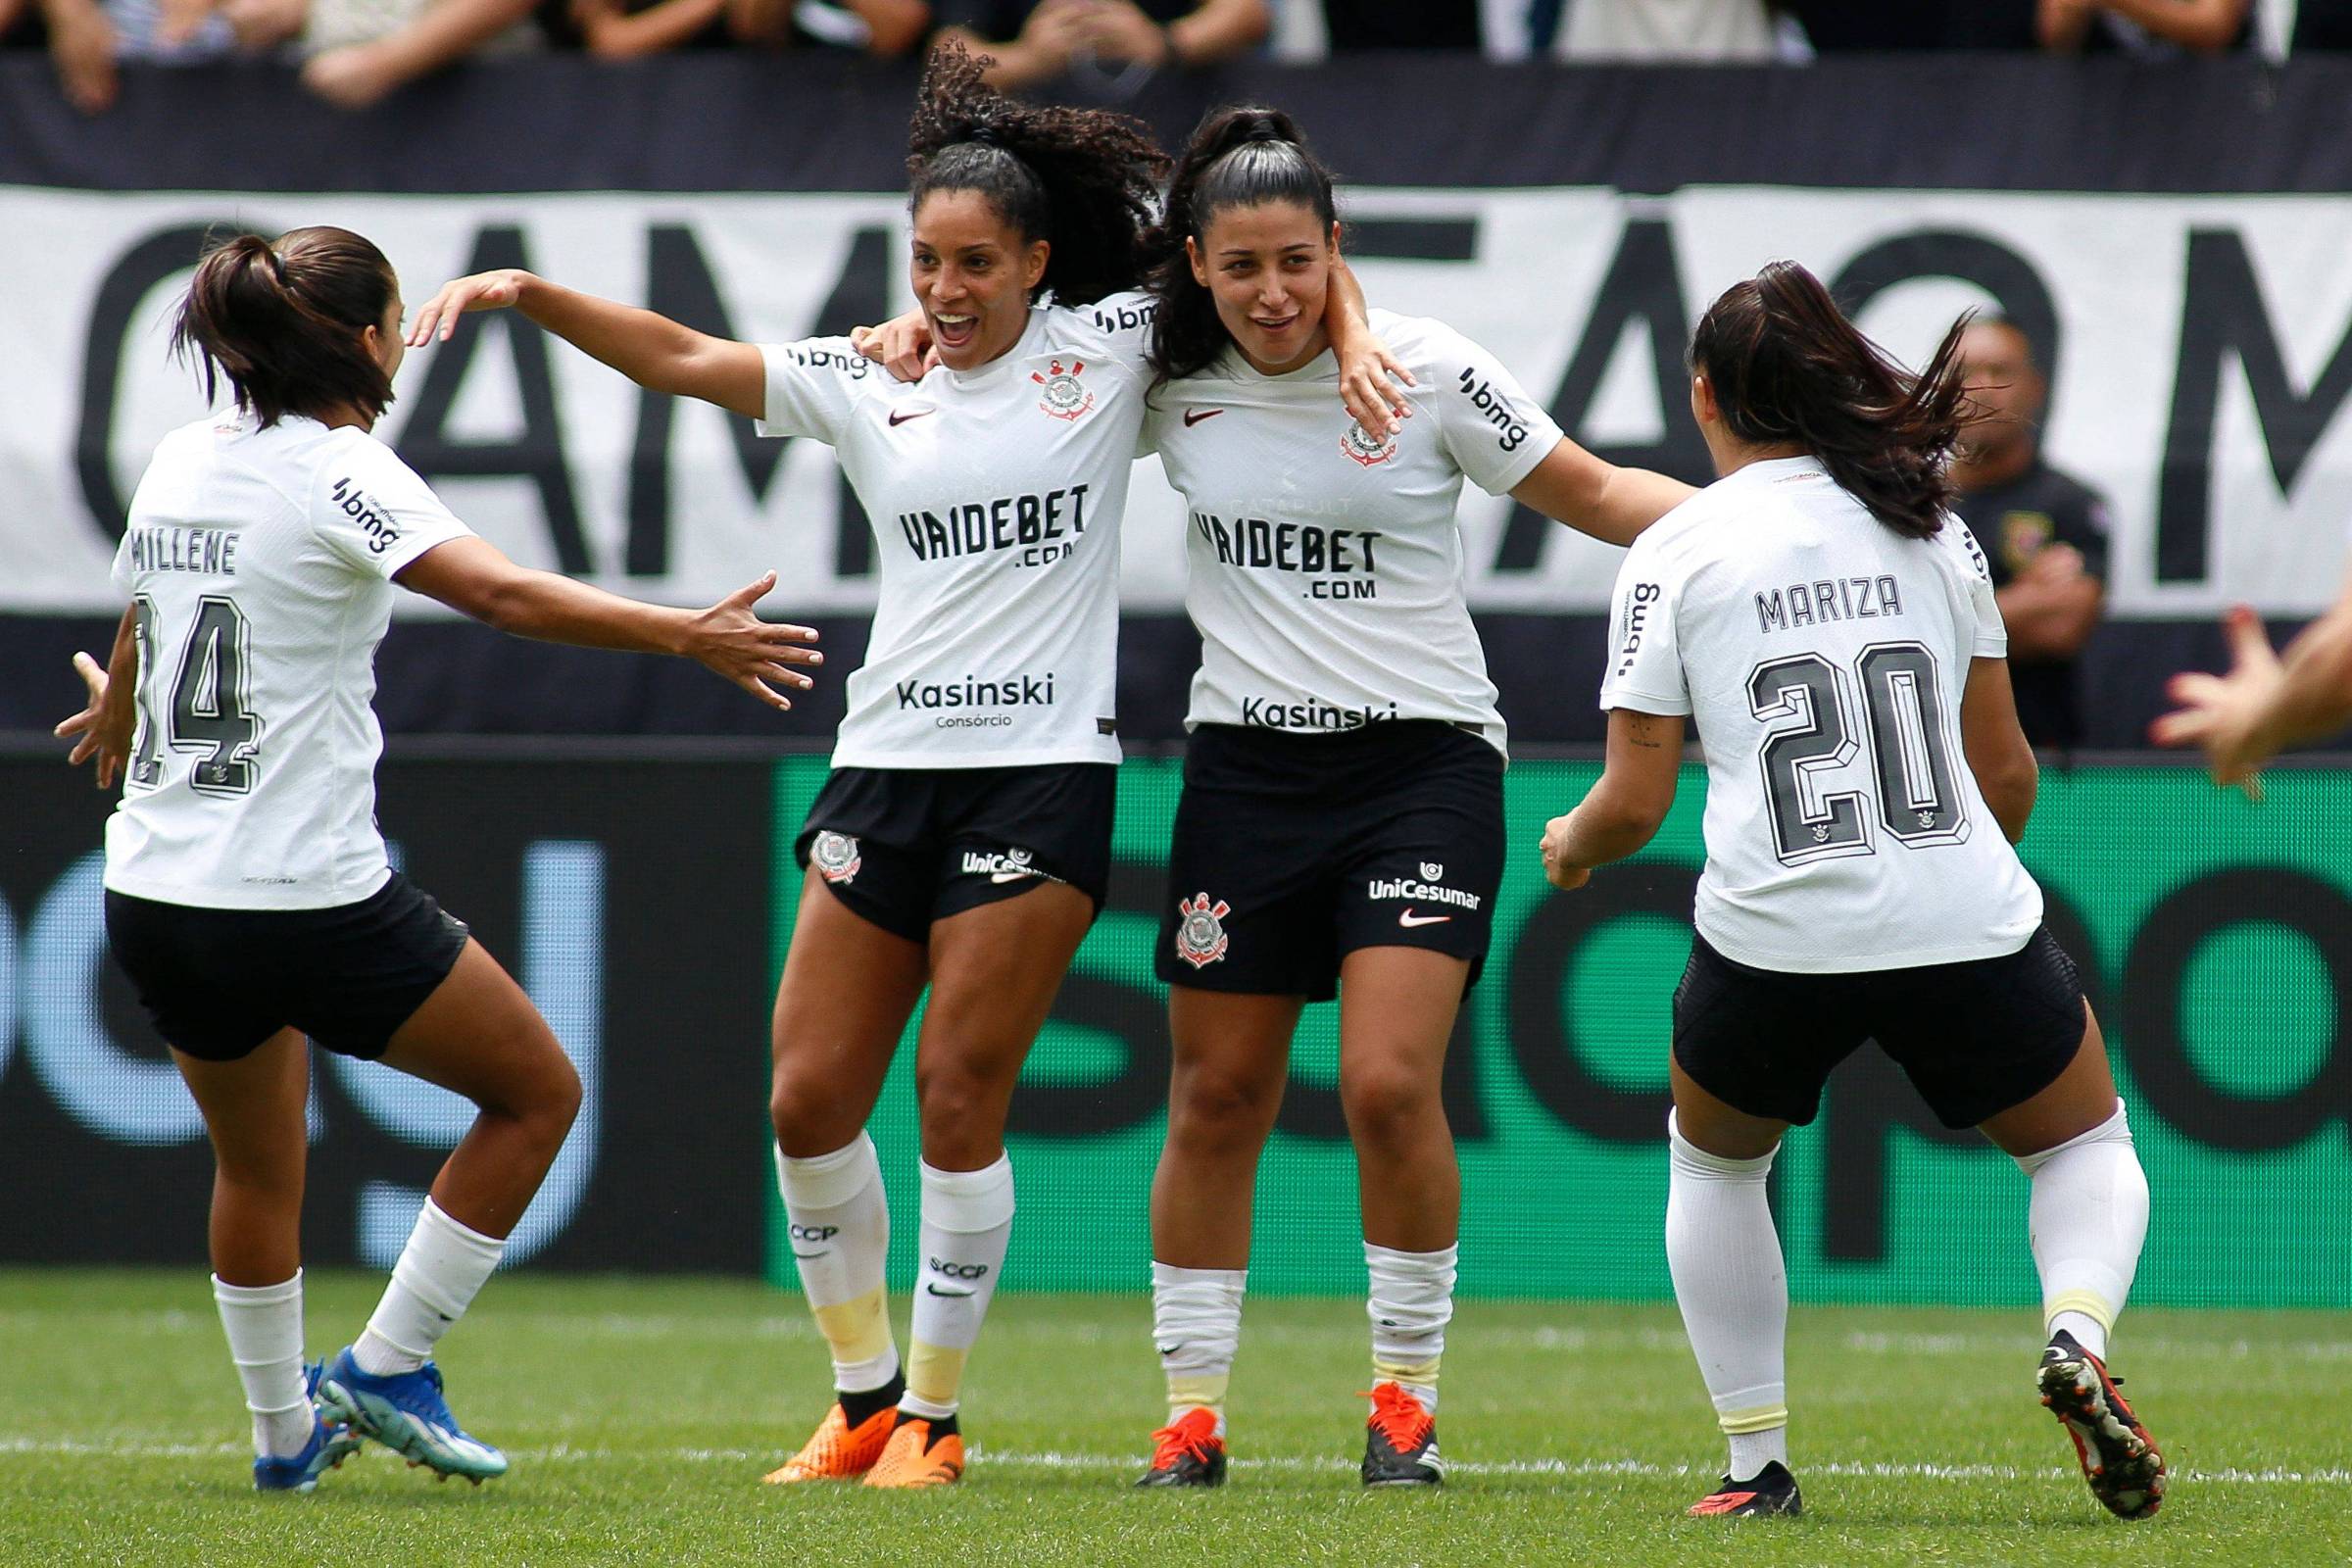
2229,716
731,640
98,730
478,291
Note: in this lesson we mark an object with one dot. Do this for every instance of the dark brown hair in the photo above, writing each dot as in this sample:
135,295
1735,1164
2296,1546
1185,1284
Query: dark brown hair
1239,157
1788,367
1080,179
282,322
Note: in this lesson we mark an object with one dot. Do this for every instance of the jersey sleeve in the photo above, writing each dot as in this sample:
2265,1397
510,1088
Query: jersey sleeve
811,387
1492,429
1645,655
1990,637
374,512
1116,326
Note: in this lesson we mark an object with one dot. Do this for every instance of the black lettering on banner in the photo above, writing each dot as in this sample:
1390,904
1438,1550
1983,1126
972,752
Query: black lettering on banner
2223,318
678,285
129,281
2154,977
1542,1027
1869,1100
1643,286
537,454
2016,286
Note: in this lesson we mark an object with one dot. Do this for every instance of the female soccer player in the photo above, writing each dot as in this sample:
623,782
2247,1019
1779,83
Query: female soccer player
963,840
1341,828
1834,638
248,892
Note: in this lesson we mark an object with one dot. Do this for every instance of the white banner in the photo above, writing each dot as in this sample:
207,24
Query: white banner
2200,367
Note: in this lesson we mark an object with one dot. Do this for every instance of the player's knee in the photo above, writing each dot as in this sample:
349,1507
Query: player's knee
1214,1109
804,1112
1386,1105
953,1100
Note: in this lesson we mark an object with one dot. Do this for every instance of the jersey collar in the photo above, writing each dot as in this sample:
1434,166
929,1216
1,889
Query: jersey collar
1031,339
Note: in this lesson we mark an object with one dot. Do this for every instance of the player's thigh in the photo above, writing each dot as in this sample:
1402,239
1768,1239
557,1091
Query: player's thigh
1755,1047
255,1108
2080,1099
478,1035
1396,1011
1717,1127
1420,863
847,990
1232,1058
995,969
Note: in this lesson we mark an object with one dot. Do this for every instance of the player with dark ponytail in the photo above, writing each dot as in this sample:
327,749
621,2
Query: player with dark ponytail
249,896
962,843
1834,638
1341,830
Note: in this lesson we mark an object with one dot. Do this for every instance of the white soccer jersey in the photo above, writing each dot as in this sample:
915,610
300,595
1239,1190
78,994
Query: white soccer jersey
1823,658
258,564
995,496
1325,569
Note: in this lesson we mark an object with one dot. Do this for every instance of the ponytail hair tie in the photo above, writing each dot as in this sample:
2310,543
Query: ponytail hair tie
986,135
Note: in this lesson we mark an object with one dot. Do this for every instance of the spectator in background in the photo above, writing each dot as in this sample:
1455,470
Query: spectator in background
2043,533
613,31
86,38
1118,43
361,51
1667,30
1353,24
2206,27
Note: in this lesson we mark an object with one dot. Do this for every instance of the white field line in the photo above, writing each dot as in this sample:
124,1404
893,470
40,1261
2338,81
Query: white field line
1569,1469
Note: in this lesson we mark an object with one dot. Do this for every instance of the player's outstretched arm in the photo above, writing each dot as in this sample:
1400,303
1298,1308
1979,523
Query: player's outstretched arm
1996,746
1623,808
648,348
2264,704
104,727
1610,503
474,576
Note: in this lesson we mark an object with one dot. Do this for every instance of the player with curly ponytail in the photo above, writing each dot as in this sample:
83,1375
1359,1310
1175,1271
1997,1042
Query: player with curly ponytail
962,843
1341,829
1836,641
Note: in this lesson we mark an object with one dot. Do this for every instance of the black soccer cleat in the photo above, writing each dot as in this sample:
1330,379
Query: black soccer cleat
1772,1493
1187,1452
1400,1442
2120,1460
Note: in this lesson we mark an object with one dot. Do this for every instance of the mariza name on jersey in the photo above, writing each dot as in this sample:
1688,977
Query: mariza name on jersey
211,551
1806,603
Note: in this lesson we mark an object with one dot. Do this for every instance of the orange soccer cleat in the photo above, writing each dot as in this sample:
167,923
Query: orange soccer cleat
838,1451
919,1454
1187,1452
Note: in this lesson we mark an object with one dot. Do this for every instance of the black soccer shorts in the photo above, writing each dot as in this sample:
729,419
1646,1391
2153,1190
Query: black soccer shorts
1293,850
1973,1038
904,847
220,982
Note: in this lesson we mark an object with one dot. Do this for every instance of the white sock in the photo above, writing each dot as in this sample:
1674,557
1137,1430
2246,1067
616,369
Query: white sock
263,1324
840,1219
1411,1302
967,1220
1732,1287
2090,1216
1196,1327
435,1280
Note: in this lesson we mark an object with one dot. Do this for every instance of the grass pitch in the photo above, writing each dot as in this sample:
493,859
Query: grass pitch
641,1414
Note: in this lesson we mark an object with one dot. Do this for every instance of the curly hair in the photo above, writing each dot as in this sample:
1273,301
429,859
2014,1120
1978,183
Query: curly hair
1084,181
1788,367
1241,155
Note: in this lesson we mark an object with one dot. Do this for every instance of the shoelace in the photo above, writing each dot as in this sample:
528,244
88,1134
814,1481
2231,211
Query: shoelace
1399,1417
1177,1441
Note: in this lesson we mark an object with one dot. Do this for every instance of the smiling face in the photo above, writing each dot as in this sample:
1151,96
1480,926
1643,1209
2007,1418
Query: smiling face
1268,268
972,273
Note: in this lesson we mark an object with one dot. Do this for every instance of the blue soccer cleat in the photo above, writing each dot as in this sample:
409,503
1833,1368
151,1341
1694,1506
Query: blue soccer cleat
331,1443
407,1413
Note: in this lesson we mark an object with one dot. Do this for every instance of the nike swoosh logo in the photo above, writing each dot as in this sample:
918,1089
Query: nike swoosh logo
1193,417
1169,1349
797,1252
1013,876
899,417
934,1289
1408,919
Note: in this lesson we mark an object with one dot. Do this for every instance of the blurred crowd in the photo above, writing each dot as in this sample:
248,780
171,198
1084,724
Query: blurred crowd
357,52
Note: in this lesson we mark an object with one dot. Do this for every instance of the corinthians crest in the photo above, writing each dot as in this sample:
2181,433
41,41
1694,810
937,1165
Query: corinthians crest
1200,935
835,855
1065,397
1359,443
